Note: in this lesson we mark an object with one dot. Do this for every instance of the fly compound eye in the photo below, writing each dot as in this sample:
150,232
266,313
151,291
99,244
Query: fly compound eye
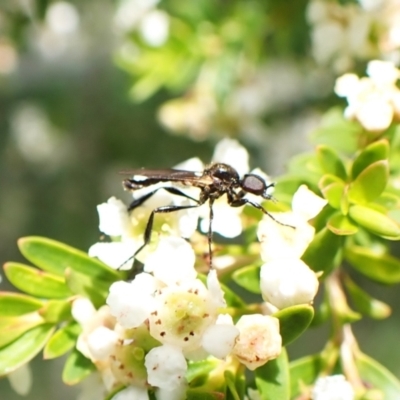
253,184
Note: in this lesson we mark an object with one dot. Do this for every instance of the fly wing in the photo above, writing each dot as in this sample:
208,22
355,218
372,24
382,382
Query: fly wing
152,176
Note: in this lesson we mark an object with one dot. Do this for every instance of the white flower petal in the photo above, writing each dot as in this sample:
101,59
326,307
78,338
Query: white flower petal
229,151
173,261
218,340
383,72
130,303
346,85
154,28
101,342
215,289
82,310
132,392
166,367
115,254
376,114
114,217
278,240
306,203
288,282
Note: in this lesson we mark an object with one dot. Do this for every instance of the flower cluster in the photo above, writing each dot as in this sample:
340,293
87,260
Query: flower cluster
344,33
374,100
168,315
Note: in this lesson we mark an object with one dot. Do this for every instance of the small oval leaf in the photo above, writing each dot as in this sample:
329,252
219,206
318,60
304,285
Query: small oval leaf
341,225
272,379
376,151
35,282
333,193
293,321
14,304
375,222
325,251
364,303
330,162
377,376
24,348
248,278
12,328
55,257
381,268
76,368
62,341
370,183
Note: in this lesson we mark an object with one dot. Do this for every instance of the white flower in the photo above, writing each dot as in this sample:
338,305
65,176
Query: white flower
21,379
372,101
333,387
182,314
259,340
166,367
287,282
101,342
154,28
131,303
172,262
114,217
290,234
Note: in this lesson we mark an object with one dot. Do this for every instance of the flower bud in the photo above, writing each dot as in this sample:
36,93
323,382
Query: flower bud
259,340
288,282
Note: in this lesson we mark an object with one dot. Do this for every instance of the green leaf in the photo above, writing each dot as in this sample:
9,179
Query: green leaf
202,394
81,284
24,348
306,168
230,381
12,328
293,321
35,282
377,376
272,379
198,371
325,251
76,368
364,303
375,222
62,341
376,151
381,268
55,257
341,225
333,193
330,162
370,183
14,304
56,310
304,372
248,278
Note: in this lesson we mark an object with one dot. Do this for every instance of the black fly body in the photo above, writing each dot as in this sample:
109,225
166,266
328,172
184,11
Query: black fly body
215,181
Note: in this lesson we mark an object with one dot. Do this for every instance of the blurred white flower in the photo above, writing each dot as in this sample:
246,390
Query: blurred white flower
21,379
259,340
286,282
373,101
334,387
62,17
154,28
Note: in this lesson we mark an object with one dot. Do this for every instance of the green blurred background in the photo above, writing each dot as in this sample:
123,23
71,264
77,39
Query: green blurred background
90,87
